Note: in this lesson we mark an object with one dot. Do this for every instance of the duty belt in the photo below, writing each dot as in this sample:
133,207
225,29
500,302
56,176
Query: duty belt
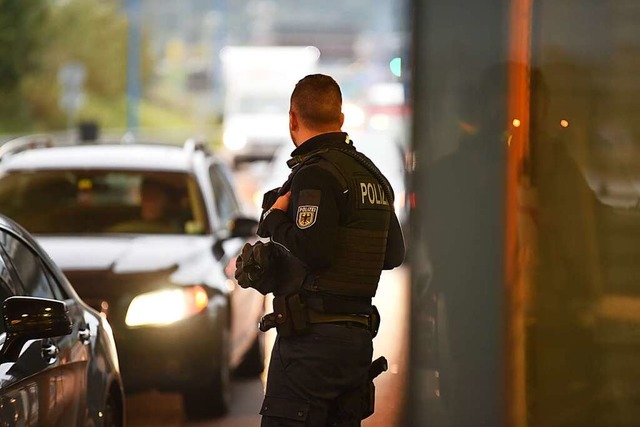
291,316
317,317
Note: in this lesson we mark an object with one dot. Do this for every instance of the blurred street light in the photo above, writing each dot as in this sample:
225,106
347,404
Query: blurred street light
396,66
134,70
71,77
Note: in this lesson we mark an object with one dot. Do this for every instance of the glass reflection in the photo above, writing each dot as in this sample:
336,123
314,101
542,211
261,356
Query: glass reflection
583,331
530,318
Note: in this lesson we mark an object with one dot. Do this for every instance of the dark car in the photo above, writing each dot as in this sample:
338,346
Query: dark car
58,361
144,233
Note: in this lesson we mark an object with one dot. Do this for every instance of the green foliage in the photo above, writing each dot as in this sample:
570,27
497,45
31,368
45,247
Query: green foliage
20,39
38,37
93,33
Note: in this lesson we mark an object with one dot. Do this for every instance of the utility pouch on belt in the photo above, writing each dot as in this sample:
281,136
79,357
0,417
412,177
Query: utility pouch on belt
298,312
289,316
374,321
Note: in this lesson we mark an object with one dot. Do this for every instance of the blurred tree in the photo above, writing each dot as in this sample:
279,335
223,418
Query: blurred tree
90,32
21,41
93,33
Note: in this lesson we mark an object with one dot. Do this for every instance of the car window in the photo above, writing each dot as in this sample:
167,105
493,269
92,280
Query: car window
5,291
58,291
104,201
4,294
50,270
225,201
29,268
54,276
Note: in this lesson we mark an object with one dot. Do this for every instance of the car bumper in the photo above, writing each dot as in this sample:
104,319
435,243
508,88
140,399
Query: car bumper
169,358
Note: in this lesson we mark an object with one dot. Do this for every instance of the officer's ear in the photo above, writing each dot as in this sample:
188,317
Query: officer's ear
293,121
341,120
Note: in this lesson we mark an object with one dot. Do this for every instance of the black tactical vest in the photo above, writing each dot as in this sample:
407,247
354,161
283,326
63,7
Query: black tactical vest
362,235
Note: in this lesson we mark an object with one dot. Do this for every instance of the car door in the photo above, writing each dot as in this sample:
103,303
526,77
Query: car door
20,380
225,201
61,360
226,209
247,305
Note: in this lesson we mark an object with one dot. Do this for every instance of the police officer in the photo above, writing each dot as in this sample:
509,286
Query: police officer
333,219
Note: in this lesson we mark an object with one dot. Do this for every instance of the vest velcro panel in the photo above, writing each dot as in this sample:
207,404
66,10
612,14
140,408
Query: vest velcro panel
362,237
357,265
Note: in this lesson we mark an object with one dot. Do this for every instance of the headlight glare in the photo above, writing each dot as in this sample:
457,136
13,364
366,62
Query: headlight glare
234,140
164,307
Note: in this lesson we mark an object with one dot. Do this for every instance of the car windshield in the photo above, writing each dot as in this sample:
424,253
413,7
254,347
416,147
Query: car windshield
104,201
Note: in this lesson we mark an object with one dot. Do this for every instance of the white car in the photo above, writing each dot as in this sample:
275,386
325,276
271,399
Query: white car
179,321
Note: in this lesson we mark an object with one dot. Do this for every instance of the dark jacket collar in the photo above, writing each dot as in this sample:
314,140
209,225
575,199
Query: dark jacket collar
323,140
318,143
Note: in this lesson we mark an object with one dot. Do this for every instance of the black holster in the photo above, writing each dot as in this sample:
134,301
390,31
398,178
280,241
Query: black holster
359,403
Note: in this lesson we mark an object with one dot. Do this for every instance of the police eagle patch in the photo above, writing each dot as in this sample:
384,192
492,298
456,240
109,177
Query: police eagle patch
306,216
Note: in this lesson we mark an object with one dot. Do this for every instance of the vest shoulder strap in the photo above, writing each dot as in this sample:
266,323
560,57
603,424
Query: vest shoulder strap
337,156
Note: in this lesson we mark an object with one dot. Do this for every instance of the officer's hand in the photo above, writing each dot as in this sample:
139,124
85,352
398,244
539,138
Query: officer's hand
269,198
283,202
244,261
262,255
254,267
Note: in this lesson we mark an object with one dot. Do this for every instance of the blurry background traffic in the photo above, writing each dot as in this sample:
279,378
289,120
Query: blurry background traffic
217,74
222,70
522,157
173,68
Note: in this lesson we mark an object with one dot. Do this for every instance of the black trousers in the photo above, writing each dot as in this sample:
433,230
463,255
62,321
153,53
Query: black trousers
309,375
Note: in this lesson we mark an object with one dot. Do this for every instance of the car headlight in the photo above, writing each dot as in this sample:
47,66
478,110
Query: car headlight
354,116
164,307
234,139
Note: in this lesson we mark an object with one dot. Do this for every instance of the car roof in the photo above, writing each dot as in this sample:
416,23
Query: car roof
10,225
101,156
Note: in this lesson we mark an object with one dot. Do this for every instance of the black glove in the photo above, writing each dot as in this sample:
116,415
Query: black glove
268,199
253,266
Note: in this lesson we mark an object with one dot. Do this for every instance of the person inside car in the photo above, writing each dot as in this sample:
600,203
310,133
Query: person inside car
158,213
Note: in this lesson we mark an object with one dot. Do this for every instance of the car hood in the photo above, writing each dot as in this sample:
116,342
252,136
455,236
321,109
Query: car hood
127,254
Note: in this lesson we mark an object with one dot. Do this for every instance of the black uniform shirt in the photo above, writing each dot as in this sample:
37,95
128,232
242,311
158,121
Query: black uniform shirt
309,228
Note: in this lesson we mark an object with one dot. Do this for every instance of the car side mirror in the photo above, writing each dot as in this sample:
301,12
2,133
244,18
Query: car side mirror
243,227
29,318
218,249
239,227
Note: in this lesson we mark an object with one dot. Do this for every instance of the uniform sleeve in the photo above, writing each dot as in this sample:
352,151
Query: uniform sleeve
395,252
310,226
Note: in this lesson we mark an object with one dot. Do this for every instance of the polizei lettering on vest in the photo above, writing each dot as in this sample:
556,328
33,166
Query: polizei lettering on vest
374,194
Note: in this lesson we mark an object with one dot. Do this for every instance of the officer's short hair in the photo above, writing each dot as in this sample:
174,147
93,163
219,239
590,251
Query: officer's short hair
317,100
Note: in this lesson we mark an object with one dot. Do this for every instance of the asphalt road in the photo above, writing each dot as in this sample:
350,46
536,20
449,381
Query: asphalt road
156,409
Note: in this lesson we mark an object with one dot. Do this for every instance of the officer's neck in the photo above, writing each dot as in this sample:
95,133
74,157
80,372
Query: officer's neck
305,134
